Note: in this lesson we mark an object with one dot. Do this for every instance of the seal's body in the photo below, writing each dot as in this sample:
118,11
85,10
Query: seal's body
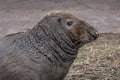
45,52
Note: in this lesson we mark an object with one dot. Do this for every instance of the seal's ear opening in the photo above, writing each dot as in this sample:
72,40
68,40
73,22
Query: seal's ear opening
59,20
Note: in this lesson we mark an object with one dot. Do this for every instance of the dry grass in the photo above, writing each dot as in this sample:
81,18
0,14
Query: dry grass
99,60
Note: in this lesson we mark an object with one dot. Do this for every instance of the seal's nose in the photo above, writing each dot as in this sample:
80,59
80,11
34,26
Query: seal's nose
93,32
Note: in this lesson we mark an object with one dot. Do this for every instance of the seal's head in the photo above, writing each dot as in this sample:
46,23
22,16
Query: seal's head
79,31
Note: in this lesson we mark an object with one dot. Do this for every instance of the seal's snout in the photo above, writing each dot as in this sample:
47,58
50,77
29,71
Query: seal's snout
93,33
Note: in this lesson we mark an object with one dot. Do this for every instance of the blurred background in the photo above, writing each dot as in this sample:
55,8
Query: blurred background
18,15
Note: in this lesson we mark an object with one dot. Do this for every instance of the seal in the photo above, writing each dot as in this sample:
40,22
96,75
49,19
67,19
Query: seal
46,51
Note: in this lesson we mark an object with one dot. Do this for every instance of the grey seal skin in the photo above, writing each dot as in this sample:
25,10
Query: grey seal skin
46,51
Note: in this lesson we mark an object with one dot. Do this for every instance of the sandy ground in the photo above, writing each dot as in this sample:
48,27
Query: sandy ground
18,15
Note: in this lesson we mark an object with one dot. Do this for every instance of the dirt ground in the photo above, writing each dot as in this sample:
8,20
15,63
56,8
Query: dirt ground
18,15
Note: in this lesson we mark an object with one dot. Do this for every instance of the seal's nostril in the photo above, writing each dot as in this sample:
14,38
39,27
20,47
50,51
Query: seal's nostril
97,34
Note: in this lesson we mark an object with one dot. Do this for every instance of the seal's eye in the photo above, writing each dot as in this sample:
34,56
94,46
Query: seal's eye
69,23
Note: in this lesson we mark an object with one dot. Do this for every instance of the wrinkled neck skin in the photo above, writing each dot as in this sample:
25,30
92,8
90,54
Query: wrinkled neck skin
57,41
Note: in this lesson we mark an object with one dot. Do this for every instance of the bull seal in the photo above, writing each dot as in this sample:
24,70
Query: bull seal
46,51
